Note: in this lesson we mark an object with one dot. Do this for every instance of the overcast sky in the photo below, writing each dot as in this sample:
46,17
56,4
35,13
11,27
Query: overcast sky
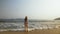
34,9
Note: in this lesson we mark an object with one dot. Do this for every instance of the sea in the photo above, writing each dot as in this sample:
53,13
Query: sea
19,26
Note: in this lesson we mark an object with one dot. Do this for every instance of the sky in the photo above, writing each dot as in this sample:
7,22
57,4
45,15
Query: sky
34,9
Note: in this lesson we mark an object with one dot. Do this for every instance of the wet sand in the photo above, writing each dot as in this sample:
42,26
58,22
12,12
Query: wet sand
43,31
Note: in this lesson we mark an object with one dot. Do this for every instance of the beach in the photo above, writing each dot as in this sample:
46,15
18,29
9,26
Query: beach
30,17
39,31
33,28
50,29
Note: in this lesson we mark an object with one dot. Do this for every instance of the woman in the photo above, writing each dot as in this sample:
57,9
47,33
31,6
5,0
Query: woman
26,24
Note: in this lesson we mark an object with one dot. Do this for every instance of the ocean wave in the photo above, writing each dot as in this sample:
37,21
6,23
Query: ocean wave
20,26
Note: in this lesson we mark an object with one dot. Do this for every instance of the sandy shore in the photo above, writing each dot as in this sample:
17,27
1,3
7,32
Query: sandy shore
43,31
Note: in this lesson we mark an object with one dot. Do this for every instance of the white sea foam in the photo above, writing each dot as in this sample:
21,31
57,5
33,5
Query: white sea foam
20,26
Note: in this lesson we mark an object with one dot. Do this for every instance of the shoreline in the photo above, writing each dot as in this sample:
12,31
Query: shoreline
38,31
